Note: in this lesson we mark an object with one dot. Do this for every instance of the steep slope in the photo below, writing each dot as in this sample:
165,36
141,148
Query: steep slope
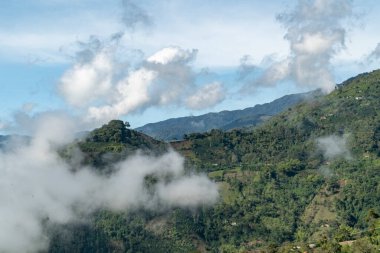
175,129
351,109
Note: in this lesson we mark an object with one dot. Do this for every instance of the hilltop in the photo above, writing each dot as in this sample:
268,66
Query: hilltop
115,141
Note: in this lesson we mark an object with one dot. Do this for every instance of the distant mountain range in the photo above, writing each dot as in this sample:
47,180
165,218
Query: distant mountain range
176,128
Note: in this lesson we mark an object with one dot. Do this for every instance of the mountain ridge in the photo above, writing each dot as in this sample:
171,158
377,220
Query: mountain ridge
176,128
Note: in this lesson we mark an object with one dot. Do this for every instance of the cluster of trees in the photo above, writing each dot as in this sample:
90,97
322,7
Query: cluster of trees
115,131
113,142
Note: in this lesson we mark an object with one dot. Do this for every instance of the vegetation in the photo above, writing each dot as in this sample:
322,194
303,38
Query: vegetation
280,192
113,142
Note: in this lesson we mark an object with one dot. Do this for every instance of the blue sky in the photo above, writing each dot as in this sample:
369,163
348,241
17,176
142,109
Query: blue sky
40,41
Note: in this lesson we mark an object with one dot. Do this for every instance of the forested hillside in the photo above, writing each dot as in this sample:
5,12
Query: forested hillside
283,185
307,180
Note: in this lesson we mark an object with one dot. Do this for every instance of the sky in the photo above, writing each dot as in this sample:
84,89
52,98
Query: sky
146,61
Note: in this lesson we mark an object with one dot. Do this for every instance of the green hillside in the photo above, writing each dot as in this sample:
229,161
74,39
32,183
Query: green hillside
283,188
113,142
305,181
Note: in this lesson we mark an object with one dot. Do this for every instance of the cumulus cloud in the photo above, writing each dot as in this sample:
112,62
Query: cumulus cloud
37,185
131,93
108,80
164,78
85,82
334,146
172,55
99,63
315,31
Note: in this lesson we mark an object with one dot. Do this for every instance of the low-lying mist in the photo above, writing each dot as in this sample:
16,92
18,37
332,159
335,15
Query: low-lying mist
37,184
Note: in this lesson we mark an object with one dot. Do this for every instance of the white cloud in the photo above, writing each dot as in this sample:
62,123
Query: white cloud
131,94
188,192
277,71
172,55
207,96
85,82
164,78
316,33
316,43
334,146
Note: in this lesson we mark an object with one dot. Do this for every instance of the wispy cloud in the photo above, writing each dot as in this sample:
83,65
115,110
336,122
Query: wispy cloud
316,33
334,146
207,96
375,54
133,15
